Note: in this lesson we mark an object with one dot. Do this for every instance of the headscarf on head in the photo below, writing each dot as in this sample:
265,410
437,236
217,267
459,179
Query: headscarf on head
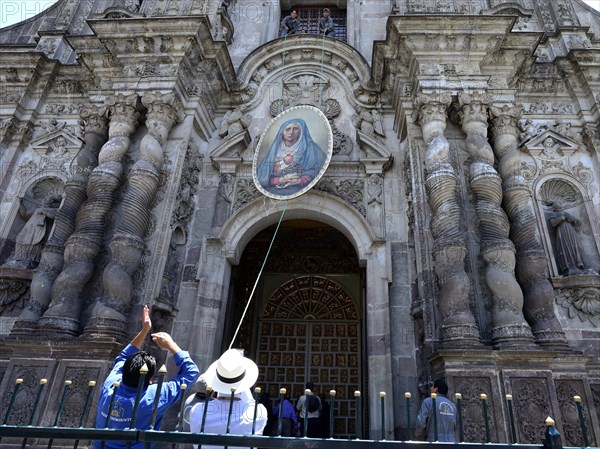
308,156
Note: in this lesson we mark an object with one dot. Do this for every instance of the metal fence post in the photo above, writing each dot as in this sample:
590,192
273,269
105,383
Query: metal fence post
257,392
282,393
231,398
18,383
407,395
552,438
461,429
88,397
511,417
115,385
434,411
60,408
179,427
382,396
486,419
358,420
331,409
35,406
577,400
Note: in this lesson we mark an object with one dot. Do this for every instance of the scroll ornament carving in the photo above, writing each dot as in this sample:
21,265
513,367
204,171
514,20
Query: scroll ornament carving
565,390
350,190
12,294
470,389
78,391
246,192
583,303
531,402
24,400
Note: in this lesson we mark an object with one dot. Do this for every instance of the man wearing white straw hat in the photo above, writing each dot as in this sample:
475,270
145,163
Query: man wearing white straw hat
231,373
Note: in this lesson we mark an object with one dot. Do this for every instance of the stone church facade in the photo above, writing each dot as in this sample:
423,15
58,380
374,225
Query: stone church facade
456,232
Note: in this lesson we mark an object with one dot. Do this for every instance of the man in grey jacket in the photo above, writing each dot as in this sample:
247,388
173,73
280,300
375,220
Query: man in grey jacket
445,415
326,23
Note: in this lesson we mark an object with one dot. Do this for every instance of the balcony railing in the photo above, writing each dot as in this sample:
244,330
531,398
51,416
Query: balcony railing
24,436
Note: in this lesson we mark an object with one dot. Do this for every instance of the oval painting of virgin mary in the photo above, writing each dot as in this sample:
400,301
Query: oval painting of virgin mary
293,153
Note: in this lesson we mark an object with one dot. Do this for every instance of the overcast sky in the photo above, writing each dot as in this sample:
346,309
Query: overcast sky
13,11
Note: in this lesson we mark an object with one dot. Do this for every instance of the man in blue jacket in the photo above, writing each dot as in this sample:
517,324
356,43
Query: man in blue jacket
126,372
445,415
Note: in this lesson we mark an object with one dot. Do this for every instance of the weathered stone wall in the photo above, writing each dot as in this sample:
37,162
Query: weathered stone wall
464,172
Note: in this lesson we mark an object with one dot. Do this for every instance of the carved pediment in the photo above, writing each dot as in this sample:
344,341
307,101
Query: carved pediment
58,142
510,9
551,145
116,12
373,154
228,155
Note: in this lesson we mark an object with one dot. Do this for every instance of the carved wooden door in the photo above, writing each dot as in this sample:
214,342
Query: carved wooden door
310,330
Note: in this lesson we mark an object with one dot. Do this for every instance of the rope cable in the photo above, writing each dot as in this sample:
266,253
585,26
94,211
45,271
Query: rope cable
258,277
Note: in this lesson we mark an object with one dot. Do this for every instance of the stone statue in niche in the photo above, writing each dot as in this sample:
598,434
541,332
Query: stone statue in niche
30,240
568,256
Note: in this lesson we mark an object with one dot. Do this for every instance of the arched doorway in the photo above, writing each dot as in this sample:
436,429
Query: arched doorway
306,319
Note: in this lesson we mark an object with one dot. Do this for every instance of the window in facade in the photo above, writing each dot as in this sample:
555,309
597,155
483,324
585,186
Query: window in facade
308,18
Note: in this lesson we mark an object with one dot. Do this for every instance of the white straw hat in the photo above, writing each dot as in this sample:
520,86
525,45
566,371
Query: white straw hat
232,370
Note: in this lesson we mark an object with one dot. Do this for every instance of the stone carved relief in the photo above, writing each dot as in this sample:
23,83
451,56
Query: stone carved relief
234,122
76,396
581,302
13,293
531,405
189,184
24,400
350,190
571,430
470,389
368,121
245,192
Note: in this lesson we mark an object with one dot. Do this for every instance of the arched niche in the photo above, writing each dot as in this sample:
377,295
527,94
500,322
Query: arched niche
571,195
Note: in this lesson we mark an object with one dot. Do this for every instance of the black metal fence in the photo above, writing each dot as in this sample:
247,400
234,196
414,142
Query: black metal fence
24,436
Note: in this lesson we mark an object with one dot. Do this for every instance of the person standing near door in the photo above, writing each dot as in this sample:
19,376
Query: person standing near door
309,407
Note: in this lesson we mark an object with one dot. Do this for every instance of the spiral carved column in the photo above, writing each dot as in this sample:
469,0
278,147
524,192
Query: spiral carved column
531,263
109,316
498,252
458,328
85,243
52,258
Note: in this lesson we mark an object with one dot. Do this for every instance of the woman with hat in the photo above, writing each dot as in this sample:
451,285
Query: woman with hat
232,373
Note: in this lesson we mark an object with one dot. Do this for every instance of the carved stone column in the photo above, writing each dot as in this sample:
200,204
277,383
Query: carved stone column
498,252
458,327
531,261
109,316
52,258
83,246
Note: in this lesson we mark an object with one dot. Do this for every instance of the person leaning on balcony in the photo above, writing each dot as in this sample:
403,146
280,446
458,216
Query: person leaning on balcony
326,24
126,370
289,24
231,374
446,415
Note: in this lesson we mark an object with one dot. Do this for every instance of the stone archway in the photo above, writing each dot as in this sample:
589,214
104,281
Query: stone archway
306,318
220,256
